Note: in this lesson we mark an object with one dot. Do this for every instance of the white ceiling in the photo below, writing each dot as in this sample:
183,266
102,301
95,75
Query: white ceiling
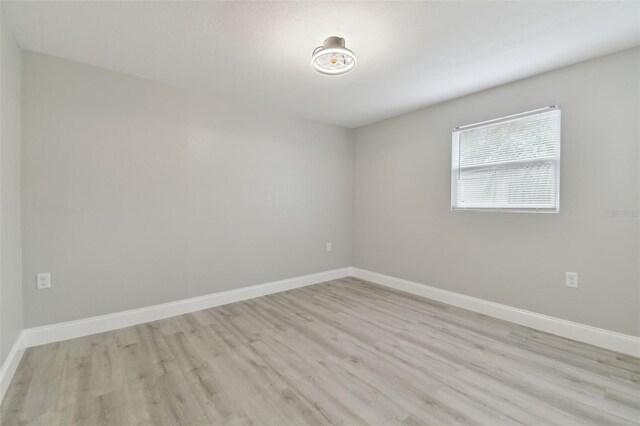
410,54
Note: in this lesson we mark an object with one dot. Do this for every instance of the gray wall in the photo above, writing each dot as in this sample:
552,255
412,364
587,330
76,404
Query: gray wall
137,193
11,321
403,225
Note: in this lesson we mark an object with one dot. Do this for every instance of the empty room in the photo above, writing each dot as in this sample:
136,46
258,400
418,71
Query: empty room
319,213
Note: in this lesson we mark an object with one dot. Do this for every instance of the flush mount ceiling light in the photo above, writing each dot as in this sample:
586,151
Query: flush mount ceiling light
332,58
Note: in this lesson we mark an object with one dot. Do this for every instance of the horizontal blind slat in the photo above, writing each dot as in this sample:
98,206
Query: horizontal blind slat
511,164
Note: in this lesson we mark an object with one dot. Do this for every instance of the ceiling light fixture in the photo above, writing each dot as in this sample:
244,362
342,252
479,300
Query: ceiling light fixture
332,58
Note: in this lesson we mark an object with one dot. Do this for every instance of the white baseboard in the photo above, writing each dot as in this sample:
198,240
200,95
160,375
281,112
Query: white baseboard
618,342
84,327
68,330
10,365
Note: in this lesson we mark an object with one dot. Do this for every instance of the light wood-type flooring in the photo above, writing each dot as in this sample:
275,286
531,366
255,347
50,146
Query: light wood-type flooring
342,352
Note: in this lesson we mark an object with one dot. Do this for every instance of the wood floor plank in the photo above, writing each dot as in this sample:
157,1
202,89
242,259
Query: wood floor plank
345,352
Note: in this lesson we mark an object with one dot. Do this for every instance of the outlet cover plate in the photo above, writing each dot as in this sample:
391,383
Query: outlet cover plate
571,279
43,280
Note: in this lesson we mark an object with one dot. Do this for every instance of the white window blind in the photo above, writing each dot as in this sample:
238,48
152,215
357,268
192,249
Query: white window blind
510,164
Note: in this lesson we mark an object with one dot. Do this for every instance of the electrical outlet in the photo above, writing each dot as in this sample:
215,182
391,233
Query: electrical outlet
571,279
329,248
43,280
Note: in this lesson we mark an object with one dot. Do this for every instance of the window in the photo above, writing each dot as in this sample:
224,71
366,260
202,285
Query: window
508,164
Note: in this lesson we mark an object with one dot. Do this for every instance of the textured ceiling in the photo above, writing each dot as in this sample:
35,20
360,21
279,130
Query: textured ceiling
410,54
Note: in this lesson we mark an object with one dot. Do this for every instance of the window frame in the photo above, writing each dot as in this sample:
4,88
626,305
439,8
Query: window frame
455,163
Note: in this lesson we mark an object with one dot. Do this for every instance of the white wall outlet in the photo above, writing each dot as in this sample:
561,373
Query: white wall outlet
571,279
43,280
329,247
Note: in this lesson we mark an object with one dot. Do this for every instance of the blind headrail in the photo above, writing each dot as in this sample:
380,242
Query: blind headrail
507,118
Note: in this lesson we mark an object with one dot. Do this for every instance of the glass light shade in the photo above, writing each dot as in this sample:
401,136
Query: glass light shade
332,58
